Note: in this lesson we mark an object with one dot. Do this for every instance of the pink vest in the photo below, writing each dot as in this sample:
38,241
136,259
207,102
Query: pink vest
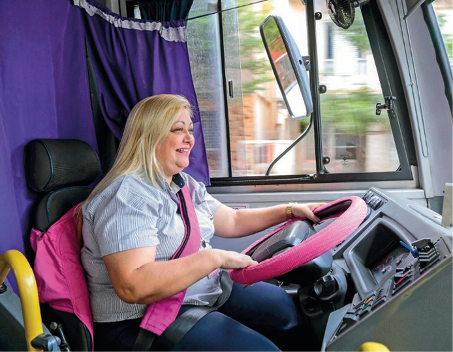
61,279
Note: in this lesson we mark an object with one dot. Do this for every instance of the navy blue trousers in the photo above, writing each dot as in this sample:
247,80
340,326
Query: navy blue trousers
261,317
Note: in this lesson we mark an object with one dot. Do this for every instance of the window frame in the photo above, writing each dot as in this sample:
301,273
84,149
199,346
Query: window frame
380,45
430,16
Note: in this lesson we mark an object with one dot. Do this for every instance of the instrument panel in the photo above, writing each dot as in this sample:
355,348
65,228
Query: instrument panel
388,262
400,263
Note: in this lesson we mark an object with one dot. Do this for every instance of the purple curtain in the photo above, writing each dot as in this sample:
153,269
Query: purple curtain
134,59
43,94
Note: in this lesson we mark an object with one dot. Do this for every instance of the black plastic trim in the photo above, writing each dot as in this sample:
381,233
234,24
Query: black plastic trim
322,178
314,83
184,214
225,86
391,84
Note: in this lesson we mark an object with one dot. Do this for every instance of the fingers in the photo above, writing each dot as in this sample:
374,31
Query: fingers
313,206
234,260
312,216
306,210
241,261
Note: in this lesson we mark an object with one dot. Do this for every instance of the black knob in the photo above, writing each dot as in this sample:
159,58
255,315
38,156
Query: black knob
326,286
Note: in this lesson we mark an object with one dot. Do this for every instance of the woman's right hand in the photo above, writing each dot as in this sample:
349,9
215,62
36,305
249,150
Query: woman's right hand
233,260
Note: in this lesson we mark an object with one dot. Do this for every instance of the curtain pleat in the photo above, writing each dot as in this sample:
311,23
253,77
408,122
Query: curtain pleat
43,94
133,59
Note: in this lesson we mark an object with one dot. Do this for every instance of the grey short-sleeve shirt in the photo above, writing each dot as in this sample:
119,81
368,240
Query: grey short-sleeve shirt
131,213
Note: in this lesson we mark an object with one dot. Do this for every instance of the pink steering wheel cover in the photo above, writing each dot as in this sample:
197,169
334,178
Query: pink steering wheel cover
306,251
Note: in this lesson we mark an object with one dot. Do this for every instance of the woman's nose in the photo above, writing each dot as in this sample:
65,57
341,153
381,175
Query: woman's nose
188,137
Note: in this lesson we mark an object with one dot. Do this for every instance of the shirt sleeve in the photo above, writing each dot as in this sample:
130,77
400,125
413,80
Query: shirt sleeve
200,196
127,221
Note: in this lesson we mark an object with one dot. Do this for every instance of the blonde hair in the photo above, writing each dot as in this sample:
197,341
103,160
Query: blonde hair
148,123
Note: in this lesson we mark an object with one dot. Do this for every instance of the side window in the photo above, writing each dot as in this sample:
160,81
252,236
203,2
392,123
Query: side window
354,137
248,132
204,43
259,127
245,120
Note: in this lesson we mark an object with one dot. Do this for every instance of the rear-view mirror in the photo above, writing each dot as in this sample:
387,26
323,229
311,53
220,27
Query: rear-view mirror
288,66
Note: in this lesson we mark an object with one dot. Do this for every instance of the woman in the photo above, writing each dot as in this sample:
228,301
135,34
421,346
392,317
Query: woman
132,226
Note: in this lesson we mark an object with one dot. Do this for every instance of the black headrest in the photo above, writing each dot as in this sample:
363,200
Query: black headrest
51,164
63,168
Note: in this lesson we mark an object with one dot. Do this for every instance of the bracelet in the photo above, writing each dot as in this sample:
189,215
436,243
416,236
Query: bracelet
289,210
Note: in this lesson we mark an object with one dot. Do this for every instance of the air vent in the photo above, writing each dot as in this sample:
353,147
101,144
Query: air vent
428,258
402,277
373,200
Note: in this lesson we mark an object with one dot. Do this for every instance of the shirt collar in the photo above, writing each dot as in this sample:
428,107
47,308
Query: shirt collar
178,180
176,185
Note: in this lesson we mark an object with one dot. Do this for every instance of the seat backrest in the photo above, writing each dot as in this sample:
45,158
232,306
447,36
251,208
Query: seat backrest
62,170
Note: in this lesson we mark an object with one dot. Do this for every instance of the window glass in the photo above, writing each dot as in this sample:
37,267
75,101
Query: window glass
233,76
203,41
355,138
245,121
258,127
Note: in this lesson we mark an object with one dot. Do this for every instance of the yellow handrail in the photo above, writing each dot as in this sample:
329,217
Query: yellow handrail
28,292
373,347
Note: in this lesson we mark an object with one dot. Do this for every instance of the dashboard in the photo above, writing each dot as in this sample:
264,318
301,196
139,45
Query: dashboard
388,261
400,262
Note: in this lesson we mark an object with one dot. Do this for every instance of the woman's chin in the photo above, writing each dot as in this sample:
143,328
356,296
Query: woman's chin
182,166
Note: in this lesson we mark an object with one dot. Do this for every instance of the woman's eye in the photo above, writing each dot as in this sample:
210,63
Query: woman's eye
178,129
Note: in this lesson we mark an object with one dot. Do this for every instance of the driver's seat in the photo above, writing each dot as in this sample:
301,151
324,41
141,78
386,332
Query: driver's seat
61,170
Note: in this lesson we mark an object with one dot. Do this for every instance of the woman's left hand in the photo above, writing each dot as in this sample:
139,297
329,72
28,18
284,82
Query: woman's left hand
306,210
231,223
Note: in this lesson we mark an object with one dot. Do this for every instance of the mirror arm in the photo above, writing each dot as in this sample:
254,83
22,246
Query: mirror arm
297,140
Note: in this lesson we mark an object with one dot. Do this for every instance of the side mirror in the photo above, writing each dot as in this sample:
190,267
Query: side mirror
288,66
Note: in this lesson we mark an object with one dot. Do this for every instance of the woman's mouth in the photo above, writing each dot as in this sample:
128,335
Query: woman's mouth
183,150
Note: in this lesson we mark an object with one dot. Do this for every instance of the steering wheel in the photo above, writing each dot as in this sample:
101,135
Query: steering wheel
350,213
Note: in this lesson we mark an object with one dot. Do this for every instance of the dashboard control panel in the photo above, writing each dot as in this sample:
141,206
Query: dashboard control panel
408,270
374,200
399,260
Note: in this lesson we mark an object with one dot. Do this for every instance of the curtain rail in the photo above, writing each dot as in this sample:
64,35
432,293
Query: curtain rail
232,8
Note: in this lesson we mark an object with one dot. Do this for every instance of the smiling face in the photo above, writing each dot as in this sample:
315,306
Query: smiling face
173,151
